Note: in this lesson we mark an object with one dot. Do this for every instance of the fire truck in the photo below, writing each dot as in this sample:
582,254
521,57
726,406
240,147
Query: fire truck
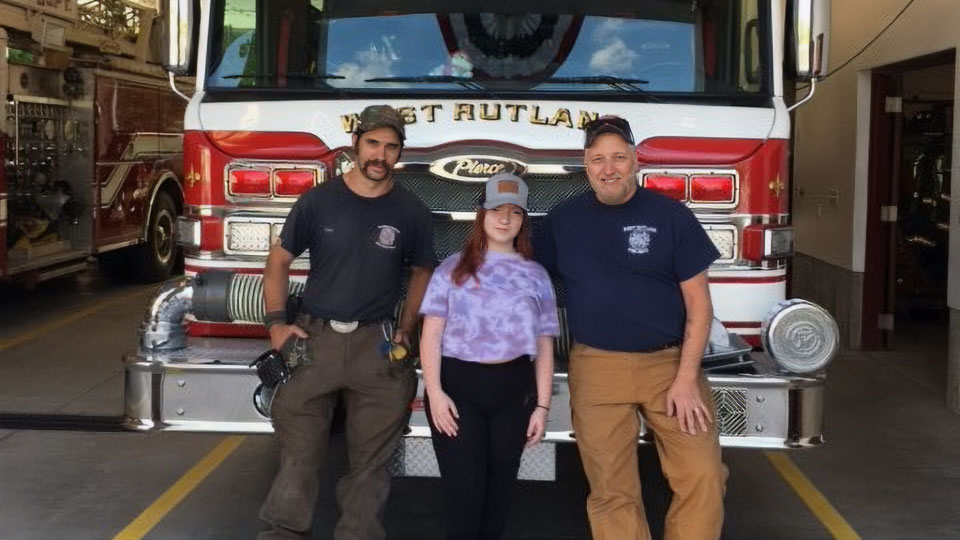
91,141
486,87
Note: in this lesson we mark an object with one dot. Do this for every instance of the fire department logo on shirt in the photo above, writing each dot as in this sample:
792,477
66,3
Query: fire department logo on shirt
387,238
638,239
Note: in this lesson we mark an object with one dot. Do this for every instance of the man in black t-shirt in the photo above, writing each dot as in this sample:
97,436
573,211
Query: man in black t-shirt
362,230
635,265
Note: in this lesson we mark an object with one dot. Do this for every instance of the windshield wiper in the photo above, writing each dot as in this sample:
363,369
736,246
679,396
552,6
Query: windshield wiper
465,82
295,76
620,83
614,81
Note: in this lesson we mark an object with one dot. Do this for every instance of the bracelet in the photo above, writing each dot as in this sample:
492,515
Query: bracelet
542,407
274,317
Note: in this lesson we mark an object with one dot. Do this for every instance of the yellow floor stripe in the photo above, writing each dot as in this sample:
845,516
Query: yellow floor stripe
148,519
63,321
811,496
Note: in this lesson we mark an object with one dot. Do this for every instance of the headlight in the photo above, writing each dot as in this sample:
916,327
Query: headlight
724,237
248,236
800,336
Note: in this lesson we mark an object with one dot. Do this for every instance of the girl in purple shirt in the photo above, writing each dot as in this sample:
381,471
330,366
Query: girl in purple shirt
489,311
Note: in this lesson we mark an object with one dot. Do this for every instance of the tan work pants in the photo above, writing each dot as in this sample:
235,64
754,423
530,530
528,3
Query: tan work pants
607,390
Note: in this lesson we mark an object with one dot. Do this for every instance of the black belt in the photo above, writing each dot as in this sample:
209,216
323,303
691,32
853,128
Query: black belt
674,343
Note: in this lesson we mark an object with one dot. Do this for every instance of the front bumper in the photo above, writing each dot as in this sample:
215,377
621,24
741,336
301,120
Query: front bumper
208,387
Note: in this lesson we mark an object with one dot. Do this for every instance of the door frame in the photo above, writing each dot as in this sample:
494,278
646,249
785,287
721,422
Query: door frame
880,256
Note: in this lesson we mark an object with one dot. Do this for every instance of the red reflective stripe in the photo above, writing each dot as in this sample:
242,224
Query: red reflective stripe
741,324
212,329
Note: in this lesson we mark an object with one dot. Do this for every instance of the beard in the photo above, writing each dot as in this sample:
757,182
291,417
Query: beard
365,166
612,195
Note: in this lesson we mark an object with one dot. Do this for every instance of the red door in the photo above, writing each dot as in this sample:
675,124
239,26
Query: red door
879,270
127,130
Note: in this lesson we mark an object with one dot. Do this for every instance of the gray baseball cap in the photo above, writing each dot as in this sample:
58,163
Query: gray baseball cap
505,188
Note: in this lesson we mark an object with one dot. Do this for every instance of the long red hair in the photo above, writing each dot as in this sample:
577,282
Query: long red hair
475,247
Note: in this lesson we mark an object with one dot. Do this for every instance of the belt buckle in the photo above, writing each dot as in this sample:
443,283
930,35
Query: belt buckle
343,327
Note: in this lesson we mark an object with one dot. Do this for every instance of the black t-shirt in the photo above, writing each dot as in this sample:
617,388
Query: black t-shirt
358,248
623,265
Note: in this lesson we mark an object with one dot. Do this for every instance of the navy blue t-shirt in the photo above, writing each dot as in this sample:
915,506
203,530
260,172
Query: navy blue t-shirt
623,265
358,248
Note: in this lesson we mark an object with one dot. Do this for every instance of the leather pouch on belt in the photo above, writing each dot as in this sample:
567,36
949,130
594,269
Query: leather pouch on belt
271,368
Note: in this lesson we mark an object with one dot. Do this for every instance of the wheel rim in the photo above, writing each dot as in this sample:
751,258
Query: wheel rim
163,237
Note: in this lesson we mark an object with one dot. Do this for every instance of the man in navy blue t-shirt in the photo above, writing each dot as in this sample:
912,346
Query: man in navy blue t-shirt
638,302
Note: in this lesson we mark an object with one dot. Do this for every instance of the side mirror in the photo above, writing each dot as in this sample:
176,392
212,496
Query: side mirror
180,36
809,38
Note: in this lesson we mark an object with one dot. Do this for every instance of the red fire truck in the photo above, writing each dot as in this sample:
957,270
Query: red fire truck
484,87
91,141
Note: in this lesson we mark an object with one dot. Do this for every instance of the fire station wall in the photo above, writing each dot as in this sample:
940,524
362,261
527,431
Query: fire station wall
832,134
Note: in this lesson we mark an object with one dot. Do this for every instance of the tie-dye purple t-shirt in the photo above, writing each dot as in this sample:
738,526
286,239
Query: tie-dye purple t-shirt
497,316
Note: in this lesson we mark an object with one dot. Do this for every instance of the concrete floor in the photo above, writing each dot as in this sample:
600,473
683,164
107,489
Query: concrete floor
889,466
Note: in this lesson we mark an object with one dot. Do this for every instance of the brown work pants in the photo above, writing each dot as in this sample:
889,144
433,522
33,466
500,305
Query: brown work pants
607,390
376,395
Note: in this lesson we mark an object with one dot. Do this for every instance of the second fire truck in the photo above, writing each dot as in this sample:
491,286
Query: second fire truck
90,140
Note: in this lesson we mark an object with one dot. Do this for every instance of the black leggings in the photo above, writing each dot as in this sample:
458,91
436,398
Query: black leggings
479,466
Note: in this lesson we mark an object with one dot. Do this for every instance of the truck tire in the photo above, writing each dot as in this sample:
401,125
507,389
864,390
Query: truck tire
654,488
158,255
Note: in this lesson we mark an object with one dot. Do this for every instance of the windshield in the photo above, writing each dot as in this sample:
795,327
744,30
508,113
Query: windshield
357,46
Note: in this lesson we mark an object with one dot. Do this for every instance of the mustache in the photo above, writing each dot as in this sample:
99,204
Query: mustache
375,162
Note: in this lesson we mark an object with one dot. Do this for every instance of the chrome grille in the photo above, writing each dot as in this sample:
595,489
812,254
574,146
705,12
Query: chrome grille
731,406
443,195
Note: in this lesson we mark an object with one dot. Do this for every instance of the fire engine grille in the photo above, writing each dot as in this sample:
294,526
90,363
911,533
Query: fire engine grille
443,195
731,411
448,236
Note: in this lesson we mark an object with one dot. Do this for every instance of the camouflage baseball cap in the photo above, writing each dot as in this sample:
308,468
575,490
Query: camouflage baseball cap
378,116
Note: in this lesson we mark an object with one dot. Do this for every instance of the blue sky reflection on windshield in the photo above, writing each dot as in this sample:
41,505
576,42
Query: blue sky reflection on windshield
412,45
661,52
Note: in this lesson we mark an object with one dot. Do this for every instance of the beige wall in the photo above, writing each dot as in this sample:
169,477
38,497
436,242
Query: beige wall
833,129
